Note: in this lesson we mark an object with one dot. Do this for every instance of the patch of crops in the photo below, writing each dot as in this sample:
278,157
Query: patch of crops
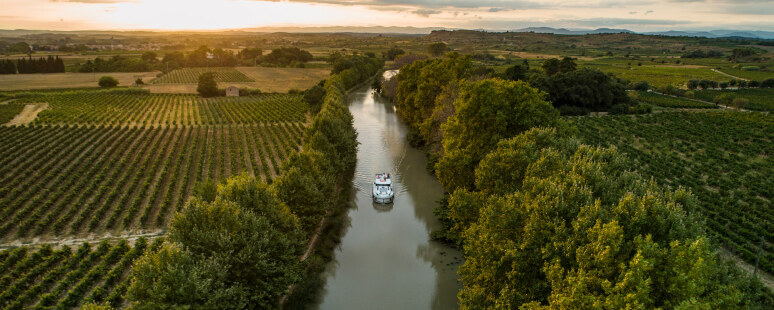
67,278
669,101
9,111
78,179
658,76
167,109
757,99
724,158
191,76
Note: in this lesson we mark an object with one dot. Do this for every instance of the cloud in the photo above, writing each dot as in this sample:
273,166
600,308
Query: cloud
617,22
433,4
648,12
426,12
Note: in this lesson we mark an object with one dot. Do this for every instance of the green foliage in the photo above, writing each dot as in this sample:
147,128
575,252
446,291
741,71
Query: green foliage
720,156
586,88
114,64
421,82
437,49
107,81
314,97
206,190
238,251
8,111
286,55
191,76
207,86
582,231
486,112
393,53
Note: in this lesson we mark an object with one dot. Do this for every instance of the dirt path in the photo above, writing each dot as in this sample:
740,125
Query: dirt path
702,101
28,114
728,75
131,237
766,278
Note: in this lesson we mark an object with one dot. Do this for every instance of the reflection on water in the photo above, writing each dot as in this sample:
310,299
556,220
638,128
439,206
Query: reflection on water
386,259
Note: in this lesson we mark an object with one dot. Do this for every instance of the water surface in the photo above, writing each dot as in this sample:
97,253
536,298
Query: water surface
386,259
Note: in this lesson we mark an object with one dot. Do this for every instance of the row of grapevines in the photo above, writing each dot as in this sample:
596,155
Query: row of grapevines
191,76
65,278
724,158
167,109
670,102
9,111
76,179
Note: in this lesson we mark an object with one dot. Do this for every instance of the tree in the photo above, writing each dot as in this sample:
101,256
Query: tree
239,251
207,86
567,65
551,66
150,57
250,53
437,49
107,81
583,231
516,73
314,97
589,89
286,55
486,112
393,53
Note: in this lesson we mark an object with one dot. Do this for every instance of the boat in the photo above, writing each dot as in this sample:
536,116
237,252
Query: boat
382,192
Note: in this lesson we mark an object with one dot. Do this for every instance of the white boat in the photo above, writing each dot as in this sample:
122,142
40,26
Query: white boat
382,191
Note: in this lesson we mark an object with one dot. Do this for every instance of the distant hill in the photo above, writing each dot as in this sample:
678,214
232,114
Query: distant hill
722,33
672,33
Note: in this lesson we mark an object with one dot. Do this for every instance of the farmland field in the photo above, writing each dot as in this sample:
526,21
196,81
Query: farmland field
67,278
128,108
669,102
115,161
284,79
659,76
191,76
66,80
748,74
724,158
760,99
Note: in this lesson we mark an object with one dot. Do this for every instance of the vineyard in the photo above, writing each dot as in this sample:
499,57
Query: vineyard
74,179
724,158
8,111
669,101
758,99
191,76
127,108
658,76
66,278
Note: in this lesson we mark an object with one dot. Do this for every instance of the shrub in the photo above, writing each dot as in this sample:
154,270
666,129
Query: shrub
642,86
107,81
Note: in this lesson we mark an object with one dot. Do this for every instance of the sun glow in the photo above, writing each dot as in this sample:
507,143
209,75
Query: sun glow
182,14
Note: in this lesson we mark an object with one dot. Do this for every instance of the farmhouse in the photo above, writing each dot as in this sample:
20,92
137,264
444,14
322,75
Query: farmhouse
232,91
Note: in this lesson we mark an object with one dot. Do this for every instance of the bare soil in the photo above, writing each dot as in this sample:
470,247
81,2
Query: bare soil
28,114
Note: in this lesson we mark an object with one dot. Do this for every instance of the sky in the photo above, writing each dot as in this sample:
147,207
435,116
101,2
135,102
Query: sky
636,15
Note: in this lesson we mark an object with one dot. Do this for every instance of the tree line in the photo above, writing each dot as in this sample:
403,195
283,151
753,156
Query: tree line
48,64
545,221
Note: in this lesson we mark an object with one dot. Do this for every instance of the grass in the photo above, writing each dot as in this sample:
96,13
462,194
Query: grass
669,101
760,99
66,80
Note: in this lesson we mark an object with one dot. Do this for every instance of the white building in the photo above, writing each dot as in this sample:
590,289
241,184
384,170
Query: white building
232,91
